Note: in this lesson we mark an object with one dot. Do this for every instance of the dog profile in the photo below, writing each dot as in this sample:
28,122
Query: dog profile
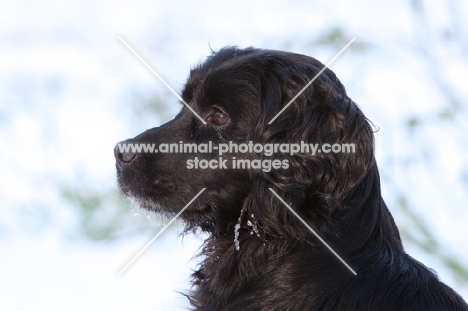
258,254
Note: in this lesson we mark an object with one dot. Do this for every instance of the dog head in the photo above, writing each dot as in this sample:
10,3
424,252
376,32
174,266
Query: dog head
237,92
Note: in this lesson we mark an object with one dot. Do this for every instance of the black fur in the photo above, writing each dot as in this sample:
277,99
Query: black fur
284,266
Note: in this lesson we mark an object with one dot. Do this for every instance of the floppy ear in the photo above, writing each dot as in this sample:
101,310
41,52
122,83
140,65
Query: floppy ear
314,185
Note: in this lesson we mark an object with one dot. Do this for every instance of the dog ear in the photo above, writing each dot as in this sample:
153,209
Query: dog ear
314,185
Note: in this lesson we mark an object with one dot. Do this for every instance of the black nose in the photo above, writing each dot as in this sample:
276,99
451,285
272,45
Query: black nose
124,154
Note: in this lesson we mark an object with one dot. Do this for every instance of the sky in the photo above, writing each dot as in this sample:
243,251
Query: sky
70,90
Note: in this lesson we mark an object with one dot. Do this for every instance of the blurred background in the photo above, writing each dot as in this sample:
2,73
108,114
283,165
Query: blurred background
70,90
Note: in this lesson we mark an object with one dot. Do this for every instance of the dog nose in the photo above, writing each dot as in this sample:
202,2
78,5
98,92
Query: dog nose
123,153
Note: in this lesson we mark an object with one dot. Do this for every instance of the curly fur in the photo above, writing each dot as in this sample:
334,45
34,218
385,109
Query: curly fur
283,266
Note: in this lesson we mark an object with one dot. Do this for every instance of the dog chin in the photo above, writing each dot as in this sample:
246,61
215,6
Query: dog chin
147,204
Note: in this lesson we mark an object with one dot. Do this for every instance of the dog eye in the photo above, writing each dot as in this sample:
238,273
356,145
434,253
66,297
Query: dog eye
218,118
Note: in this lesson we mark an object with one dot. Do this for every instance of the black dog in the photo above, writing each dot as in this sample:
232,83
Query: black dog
259,255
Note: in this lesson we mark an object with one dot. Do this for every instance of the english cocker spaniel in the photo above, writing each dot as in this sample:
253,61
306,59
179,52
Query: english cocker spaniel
295,221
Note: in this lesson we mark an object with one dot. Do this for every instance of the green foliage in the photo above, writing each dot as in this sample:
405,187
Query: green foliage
337,37
103,216
413,123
